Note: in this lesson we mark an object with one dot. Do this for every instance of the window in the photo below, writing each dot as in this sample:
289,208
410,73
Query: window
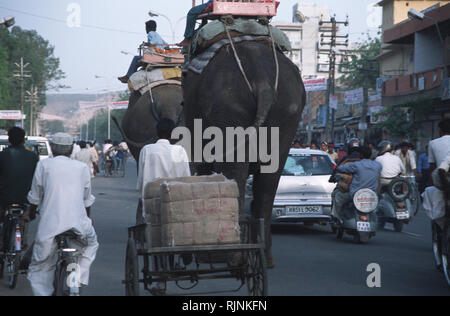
308,165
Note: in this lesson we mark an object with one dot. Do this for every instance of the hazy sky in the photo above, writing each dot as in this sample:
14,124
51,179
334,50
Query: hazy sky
109,27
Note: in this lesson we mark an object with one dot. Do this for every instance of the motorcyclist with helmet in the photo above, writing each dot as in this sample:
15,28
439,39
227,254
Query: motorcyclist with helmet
393,166
366,174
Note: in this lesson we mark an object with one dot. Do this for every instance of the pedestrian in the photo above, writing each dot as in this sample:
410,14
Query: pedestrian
407,157
86,156
62,190
296,145
341,153
324,146
94,151
332,153
313,146
423,170
76,149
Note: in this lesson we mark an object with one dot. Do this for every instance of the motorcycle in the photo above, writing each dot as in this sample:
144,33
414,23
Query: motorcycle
358,217
397,204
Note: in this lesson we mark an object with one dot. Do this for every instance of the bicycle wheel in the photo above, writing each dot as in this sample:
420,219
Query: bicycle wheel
12,259
61,275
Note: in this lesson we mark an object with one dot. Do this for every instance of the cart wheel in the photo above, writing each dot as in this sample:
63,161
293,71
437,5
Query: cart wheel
131,270
257,282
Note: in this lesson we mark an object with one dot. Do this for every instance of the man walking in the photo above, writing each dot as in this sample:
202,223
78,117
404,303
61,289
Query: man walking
86,156
62,190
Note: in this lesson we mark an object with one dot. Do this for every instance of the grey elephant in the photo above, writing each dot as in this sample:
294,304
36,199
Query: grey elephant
221,98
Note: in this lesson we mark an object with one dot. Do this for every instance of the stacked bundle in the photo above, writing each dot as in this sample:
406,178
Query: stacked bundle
152,201
199,213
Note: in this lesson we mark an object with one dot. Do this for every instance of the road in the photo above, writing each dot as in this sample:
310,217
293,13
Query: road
309,261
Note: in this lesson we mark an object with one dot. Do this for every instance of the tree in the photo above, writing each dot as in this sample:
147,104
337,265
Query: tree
44,67
362,66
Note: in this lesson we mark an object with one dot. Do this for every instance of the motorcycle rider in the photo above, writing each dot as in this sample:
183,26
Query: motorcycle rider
392,164
366,174
353,147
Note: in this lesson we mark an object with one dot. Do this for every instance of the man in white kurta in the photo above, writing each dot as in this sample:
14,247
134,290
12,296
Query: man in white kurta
161,160
61,189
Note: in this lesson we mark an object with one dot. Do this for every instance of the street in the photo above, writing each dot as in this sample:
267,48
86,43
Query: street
309,261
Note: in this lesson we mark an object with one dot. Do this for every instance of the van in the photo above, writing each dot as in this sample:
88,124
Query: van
43,145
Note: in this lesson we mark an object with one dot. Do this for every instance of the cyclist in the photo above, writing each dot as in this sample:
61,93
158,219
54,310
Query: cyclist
17,167
62,190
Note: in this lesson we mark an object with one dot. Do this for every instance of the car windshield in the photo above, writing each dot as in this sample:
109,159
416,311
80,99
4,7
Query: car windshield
308,165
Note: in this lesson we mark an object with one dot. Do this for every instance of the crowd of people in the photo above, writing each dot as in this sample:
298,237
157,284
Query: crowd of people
374,166
91,154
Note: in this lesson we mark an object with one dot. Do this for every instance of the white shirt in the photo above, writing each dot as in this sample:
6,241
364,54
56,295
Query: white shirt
438,150
87,156
76,150
392,166
161,160
62,190
445,164
106,148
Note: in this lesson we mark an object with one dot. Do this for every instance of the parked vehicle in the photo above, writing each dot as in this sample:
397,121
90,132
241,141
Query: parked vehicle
304,193
45,151
359,217
40,145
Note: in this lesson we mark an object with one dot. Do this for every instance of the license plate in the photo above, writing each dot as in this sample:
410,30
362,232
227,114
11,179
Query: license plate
363,227
402,215
302,210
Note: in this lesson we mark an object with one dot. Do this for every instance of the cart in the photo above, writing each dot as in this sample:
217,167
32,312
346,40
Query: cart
246,263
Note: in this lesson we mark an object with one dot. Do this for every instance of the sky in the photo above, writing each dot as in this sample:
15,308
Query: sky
96,39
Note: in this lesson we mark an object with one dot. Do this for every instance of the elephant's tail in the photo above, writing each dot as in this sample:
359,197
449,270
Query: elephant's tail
129,141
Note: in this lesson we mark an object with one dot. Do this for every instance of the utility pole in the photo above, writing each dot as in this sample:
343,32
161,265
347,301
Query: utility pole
33,98
21,74
329,29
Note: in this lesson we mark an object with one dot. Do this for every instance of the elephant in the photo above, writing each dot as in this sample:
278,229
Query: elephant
138,126
221,98
139,123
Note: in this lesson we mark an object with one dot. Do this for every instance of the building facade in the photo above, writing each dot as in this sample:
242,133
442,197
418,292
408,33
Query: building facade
423,82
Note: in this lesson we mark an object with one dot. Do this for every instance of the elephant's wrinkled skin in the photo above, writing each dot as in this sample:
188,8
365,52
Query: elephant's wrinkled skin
221,98
139,125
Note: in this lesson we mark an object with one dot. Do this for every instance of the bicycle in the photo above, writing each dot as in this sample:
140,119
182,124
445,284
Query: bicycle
67,274
13,230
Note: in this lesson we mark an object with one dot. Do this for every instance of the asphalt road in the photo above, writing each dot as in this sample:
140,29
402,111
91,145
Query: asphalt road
309,261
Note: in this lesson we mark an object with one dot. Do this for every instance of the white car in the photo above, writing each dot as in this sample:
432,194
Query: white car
43,145
304,193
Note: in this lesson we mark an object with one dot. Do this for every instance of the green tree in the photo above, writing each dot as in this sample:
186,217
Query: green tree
361,65
44,66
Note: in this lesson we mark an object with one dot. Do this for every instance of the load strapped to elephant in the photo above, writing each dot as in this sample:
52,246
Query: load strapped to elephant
160,67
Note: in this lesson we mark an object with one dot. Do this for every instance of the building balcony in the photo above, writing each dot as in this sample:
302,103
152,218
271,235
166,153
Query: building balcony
414,83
